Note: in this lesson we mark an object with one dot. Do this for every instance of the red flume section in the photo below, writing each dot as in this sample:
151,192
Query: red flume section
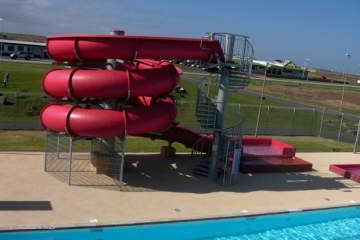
142,79
184,136
104,123
99,47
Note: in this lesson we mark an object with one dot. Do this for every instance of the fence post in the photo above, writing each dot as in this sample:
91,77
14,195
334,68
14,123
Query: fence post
357,137
312,122
15,109
239,109
322,121
70,160
340,126
123,152
46,151
57,146
293,121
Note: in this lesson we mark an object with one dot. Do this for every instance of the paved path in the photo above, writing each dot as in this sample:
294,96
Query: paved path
163,189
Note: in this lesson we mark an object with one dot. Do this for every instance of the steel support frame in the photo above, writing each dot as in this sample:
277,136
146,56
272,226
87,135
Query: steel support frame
221,104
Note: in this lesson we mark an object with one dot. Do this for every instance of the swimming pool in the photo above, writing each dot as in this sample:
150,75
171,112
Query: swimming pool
335,223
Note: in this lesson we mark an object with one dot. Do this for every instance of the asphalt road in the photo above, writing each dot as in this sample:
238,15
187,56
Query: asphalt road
21,60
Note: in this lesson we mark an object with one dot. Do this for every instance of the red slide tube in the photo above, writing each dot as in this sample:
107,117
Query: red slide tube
143,81
99,47
103,123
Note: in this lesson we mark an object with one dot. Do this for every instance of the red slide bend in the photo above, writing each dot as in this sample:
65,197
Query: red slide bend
141,82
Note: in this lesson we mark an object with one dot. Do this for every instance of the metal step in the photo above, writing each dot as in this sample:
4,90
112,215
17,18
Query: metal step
204,112
207,126
206,120
200,173
207,105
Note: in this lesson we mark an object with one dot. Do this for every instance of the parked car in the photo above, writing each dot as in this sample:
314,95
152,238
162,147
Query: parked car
25,55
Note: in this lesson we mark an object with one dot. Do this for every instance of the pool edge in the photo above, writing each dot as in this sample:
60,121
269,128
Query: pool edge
20,228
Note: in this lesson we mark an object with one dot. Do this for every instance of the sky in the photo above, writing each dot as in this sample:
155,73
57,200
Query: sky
322,31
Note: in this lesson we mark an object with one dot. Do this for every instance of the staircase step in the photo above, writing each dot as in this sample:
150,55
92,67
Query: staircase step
203,167
208,105
203,111
206,121
207,126
200,173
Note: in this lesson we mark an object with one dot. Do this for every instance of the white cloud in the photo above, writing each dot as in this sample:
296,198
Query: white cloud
46,17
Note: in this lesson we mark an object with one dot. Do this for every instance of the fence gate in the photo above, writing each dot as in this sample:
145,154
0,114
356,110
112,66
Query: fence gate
85,161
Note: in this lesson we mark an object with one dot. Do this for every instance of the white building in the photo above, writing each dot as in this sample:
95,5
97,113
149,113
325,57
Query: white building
9,46
279,68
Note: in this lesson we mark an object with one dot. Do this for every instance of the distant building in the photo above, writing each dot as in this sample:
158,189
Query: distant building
279,68
10,46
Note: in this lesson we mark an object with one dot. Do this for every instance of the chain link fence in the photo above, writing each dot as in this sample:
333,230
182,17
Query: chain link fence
21,110
84,161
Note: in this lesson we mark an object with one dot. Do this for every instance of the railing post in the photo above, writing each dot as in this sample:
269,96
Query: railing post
357,138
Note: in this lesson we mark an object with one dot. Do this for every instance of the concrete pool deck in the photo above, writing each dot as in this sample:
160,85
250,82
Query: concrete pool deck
162,189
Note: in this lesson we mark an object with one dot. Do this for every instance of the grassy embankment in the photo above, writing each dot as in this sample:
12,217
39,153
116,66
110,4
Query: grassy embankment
20,140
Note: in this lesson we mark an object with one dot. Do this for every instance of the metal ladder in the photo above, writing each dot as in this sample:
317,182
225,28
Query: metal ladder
205,110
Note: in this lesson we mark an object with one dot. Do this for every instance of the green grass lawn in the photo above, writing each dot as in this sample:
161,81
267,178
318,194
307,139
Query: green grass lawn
23,76
35,141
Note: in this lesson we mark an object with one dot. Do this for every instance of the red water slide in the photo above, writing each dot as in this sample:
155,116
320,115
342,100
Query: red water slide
142,82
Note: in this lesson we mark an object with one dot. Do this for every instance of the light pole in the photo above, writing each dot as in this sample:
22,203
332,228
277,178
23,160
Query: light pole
2,37
261,100
348,55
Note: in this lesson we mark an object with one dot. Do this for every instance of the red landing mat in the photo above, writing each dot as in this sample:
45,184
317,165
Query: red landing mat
351,171
274,164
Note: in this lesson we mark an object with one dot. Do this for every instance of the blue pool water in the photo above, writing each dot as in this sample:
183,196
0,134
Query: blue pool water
331,224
